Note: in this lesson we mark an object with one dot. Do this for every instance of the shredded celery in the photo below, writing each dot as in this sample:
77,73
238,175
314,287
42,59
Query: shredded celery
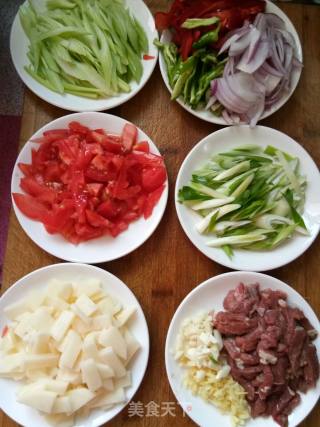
89,48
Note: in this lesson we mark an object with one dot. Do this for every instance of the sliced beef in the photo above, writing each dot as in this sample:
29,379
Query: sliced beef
249,341
311,369
269,348
233,323
243,299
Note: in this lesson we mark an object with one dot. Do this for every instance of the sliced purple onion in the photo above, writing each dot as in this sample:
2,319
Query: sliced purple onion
258,70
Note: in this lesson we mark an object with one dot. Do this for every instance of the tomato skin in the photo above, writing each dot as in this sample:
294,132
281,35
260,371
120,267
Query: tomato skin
142,146
148,57
4,332
85,183
32,187
30,206
152,178
129,136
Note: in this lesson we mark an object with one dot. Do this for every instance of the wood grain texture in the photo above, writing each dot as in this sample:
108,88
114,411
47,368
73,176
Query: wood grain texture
167,267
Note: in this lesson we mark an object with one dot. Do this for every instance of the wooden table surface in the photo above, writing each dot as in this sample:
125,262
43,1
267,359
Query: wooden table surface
167,267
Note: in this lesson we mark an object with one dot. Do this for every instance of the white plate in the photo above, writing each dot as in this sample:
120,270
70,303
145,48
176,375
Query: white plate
29,417
102,249
209,296
209,117
19,48
225,140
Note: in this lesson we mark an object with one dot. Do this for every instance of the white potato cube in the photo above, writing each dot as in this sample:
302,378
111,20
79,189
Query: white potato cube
38,342
124,381
86,305
105,371
109,357
69,376
124,315
109,306
37,398
90,375
108,384
56,303
71,350
15,309
90,347
88,287
40,361
62,324
12,363
85,319
132,345
79,397
100,322
110,398
111,337
62,405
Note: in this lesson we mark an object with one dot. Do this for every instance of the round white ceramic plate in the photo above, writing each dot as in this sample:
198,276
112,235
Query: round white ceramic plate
19,48
29,417
209,296
225,140
209,117
102,249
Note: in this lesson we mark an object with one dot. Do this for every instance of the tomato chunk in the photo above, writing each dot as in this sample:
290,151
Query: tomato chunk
84,183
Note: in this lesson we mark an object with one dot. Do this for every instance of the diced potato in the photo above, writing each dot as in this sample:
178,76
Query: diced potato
13,363
108,384
56,303
39,361
37,398
108,356
86,305
80,397
109,306
38,342
23,327
124,381
81,327
69,376
62,324
71,350
111,337
41,320
100,322
132,345
88,287
90,375
105,371
36,374
85,319
124,315
98,296
62,405
9,342
110,398
15,309
35,299
60,289
58,386
90,347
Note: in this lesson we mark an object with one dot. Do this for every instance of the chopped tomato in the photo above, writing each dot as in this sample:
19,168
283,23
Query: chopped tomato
129,136
85,183
142,146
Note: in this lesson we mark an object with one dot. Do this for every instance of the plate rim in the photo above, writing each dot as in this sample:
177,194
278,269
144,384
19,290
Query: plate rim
219,120
227,262
211,282
110,276
27,147
104,107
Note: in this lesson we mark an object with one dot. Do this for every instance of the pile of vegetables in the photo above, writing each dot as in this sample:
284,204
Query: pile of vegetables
227,56
89,48
85,183
248,198
261,59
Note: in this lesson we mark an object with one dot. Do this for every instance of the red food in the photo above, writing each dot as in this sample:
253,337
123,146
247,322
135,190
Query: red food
148,57
85,183
232,14
4,332
269,349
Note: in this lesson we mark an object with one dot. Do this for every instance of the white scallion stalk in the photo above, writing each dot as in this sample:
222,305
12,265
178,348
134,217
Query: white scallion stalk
282,207
267,221
235,170
236,240
289,172
222,226
208,191
224,210
243,186
214,203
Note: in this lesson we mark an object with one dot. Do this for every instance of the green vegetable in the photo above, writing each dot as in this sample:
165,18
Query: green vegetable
87,48
207,39
189,24
248,198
